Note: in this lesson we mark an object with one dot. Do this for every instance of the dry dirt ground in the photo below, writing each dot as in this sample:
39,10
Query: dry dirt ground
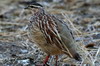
16,49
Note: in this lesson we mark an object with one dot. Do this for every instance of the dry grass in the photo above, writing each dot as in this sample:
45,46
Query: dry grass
17,49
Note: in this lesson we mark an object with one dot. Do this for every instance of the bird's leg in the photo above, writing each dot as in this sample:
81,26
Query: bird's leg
56,60
46,60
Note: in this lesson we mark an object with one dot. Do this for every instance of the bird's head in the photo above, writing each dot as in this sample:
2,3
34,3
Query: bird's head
34,6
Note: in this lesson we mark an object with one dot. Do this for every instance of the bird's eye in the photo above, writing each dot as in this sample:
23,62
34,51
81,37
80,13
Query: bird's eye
33,6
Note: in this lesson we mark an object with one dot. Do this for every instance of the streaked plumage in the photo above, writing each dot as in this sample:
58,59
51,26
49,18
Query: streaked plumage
52,34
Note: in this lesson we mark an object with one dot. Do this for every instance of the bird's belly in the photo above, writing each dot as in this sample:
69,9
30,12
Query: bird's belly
38,37
52,50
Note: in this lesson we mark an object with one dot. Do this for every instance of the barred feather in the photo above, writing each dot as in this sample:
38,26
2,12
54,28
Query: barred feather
53,30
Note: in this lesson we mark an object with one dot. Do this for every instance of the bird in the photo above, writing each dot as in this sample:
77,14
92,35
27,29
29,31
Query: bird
51,33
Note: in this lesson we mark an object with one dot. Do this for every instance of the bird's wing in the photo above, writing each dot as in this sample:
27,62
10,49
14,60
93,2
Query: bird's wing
66,37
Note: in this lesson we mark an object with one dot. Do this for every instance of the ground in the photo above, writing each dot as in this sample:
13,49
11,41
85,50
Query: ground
17,49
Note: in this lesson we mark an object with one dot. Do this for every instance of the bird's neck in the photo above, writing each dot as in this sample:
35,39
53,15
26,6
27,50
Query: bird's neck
39,12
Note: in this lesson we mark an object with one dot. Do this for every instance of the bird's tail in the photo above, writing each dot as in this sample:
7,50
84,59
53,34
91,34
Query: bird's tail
75,55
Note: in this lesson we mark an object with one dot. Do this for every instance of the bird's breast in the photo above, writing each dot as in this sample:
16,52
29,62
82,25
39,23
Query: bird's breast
38,37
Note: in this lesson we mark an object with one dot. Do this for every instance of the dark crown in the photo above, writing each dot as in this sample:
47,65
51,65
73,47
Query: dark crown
33,5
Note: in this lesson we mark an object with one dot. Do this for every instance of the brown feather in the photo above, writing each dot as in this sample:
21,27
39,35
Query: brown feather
52,35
